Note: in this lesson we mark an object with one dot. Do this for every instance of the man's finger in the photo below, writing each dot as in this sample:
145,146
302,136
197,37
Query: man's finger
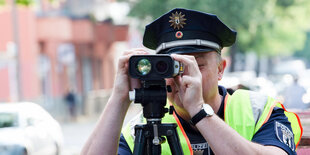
189,62
136,51
127,54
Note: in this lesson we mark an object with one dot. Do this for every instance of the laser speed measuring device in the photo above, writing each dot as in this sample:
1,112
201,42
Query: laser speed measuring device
154,67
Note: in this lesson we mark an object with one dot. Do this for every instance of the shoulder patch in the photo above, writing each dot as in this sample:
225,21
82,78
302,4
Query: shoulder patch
285,135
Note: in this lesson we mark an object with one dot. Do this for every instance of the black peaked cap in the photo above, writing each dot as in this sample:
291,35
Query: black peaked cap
178,31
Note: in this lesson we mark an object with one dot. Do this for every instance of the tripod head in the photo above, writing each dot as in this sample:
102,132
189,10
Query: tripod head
152,96
152,71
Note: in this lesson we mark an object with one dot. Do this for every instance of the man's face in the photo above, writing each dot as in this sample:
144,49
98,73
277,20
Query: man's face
208,64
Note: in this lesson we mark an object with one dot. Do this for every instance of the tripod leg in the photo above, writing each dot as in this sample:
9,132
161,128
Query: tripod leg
156,150
139,141
174,142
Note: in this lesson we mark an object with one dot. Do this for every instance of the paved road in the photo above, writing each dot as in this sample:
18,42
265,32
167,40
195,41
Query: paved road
76,133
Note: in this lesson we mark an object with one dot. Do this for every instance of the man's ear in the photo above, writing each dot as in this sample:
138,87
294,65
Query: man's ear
221,68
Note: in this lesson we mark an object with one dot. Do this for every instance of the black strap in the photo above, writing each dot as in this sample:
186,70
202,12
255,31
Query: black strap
199,116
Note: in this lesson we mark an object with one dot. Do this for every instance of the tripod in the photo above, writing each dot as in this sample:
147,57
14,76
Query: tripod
149,136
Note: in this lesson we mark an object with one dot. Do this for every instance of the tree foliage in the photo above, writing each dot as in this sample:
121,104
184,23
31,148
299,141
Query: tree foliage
267,27
2,2
24,2
305,52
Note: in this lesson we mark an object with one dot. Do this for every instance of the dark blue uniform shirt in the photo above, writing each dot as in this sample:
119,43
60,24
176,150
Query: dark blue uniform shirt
269,134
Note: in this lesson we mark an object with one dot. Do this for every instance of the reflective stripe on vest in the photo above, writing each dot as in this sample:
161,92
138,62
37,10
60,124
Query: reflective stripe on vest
128,133
246,112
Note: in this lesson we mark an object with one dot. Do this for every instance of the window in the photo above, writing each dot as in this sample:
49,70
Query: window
8,120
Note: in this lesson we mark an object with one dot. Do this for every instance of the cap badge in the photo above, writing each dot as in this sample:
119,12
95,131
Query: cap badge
179,34
177,20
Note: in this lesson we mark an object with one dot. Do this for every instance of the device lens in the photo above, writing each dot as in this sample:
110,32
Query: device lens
144,66
161,66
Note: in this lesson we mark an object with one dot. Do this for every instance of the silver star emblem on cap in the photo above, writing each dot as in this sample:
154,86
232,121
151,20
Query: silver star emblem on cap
177,20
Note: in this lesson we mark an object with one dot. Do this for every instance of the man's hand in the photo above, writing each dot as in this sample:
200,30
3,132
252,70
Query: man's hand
110,123
189,84
123,83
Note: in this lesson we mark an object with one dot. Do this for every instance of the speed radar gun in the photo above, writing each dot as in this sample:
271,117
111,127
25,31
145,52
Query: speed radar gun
152,71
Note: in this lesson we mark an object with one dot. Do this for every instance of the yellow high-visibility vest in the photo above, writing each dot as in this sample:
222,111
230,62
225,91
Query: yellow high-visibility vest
245,111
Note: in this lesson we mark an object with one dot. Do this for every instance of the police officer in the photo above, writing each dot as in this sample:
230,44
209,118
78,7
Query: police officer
210,121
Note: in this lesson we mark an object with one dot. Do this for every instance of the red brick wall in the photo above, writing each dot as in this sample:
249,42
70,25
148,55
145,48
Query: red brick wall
27,52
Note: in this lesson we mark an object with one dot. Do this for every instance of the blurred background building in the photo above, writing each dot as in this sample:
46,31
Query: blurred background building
52,47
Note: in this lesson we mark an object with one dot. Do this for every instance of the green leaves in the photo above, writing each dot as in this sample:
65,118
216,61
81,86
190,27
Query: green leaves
19,2
305,52
24,2
2,2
